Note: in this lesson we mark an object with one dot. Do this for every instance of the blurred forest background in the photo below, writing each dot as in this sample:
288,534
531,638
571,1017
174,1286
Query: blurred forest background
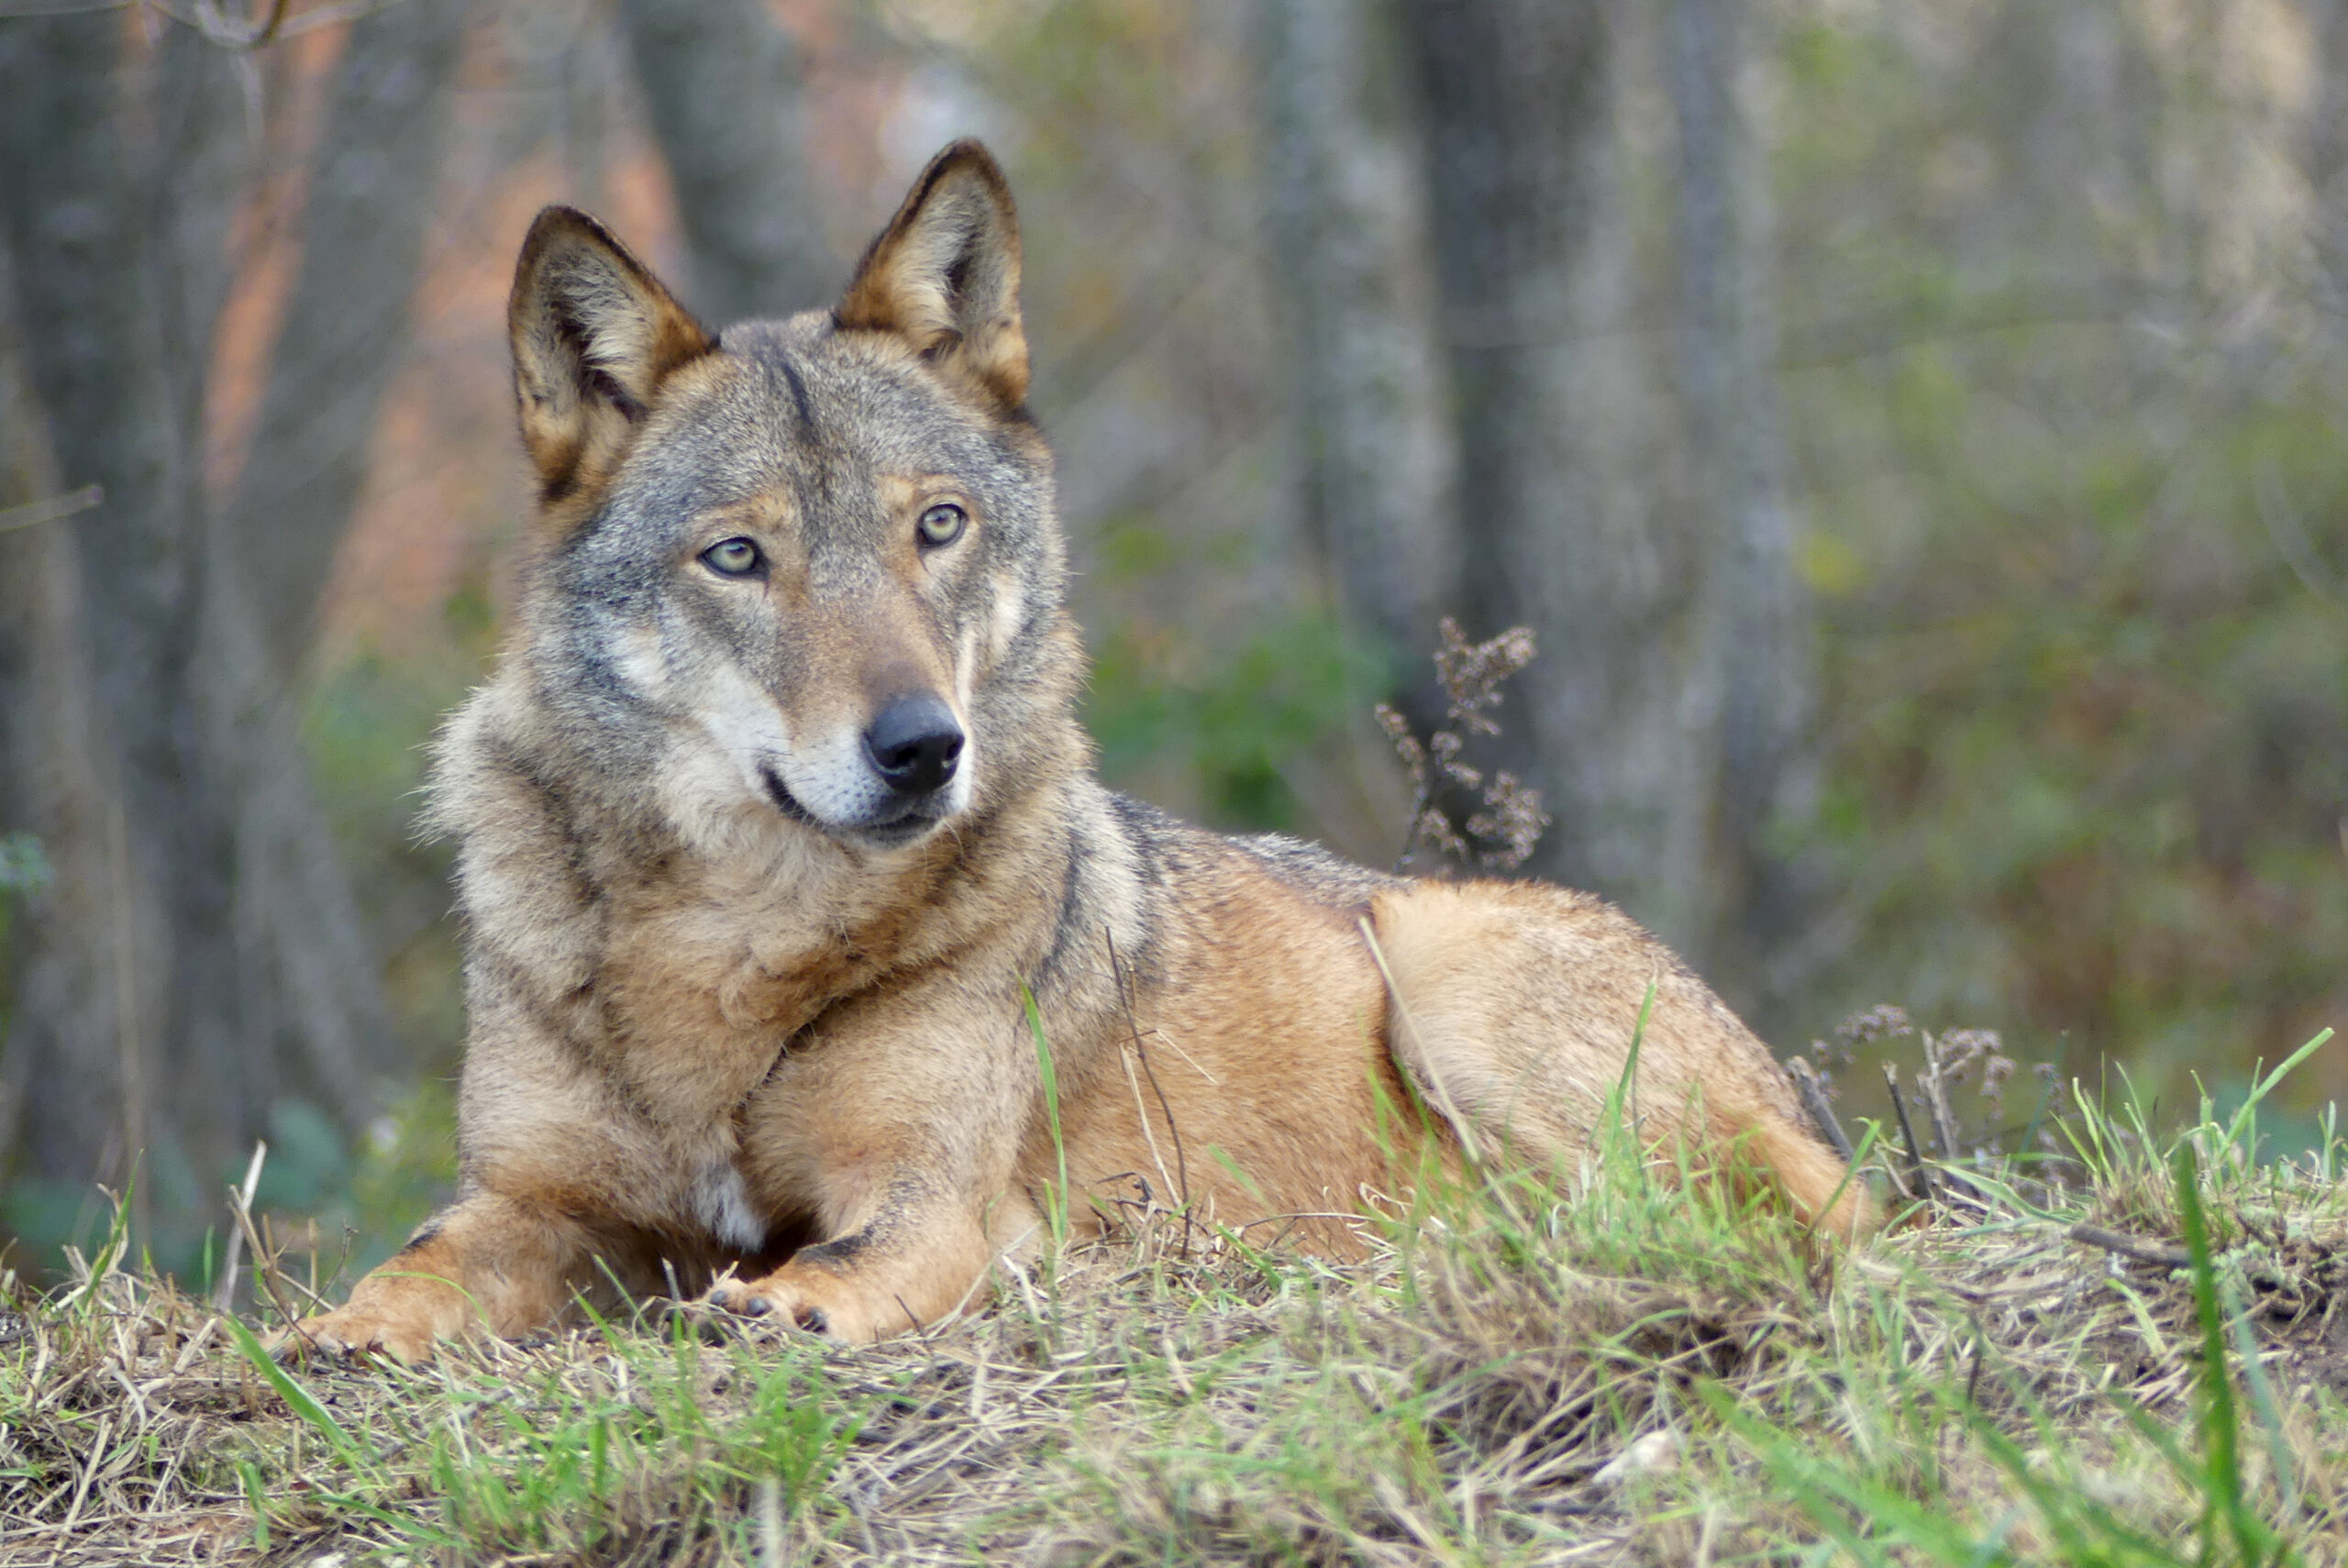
1912,427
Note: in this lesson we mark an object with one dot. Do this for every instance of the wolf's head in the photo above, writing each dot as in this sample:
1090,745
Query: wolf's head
810,568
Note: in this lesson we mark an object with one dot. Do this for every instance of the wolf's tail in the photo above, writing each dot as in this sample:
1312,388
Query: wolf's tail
1817,1184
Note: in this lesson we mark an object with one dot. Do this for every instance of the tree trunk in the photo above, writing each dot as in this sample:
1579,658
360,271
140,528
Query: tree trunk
723,83
1350,251
231,970
364,222
71,1074
1568,453
97,753
2323,158
1756,691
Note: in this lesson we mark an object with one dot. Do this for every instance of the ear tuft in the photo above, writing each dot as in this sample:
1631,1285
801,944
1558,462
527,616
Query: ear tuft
944,276
594,335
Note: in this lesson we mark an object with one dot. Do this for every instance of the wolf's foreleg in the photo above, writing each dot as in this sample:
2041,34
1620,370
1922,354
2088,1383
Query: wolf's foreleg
913,1266
490,1263
900,1135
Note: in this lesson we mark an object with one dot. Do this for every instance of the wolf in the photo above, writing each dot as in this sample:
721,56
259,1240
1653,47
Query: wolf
809,964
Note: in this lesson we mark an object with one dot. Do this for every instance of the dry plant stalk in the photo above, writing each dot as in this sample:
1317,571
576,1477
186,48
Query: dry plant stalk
1949,1060
1511,822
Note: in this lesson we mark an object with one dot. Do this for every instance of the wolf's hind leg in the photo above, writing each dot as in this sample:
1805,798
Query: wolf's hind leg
1515,1007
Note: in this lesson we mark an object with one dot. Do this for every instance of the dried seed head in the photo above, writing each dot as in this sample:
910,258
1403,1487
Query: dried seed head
1471,674
1406,745
1511,821
1882,1021
1436,829
1511,818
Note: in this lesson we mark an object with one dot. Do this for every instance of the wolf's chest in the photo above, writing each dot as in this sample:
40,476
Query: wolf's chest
700,998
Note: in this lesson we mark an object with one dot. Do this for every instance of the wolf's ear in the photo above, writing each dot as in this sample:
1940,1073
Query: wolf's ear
944,276
594,335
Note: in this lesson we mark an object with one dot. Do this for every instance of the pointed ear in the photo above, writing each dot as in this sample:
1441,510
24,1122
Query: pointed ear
944,276
595,336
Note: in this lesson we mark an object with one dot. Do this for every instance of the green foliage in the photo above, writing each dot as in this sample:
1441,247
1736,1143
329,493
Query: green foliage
24,869
309,1162
539,1468
407,1168
2079,507
368,725
299,1399
1241,718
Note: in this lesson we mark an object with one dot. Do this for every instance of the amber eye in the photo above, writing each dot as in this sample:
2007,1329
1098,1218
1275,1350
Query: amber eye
734,558
942,525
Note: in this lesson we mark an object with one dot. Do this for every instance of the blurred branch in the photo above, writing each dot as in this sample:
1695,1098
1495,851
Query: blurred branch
52,509
211,19
251,32
1841,344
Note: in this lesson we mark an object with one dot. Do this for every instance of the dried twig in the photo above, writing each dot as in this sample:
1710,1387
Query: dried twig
1179,1177
1934,1081
1922,1187
1881,1022
54,508
1812,1090
240,1203
2131,1247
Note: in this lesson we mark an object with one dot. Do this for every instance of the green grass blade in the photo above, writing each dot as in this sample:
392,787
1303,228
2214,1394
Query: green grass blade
2249,1108
2220,1420
1831,1497
303,1403
1052,1112
1618,1141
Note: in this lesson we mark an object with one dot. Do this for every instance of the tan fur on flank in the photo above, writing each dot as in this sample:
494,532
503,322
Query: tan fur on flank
777,811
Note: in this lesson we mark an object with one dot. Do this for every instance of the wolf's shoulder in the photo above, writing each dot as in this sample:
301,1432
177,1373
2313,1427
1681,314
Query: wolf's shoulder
1310,869
1169,848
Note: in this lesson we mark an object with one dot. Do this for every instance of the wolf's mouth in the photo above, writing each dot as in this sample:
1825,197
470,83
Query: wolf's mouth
785,801
904,830
909,824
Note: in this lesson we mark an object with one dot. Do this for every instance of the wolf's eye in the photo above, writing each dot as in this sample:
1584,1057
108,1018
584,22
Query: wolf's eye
734,558
942,525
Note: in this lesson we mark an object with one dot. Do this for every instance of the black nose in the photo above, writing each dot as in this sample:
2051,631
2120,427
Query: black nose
914,745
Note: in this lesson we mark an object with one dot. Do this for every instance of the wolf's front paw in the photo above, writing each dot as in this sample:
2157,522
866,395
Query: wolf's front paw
405,1337
819,1302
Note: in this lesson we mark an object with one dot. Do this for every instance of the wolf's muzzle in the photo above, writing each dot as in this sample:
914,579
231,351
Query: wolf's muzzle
915,746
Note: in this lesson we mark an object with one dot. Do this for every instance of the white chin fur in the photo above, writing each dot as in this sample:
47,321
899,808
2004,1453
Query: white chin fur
709,783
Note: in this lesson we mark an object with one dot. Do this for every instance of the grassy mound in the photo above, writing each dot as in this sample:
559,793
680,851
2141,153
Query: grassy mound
2129,1352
